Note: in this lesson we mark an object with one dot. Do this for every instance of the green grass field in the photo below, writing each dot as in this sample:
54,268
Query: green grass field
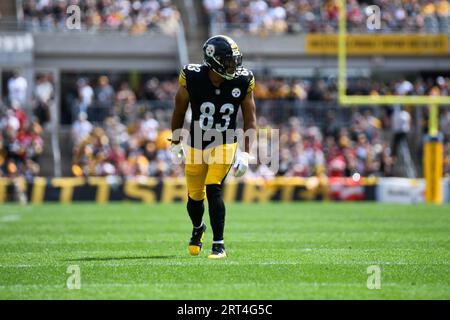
276,251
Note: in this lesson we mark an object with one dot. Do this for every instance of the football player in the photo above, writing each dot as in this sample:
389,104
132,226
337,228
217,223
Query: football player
215,91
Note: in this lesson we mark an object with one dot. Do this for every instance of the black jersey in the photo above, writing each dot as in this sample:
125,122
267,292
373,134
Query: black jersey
214,109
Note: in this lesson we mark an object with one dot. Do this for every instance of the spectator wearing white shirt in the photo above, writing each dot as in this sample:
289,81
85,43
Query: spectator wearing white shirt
17,89
213,5
81,128
401,126
258,13
85,95
404,88
149,127
214,10
10,122
43,95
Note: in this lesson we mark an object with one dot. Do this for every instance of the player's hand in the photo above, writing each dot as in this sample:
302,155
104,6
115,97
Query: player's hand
241,164
177,150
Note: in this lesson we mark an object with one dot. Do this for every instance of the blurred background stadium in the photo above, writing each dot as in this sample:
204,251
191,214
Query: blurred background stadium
89,106
85,107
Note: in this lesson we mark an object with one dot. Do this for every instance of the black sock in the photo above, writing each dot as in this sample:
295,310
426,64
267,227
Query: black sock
216,210
195,209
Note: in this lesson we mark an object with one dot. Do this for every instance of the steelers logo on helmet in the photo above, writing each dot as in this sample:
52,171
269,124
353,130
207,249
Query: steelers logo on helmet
210,50
236,92
221,54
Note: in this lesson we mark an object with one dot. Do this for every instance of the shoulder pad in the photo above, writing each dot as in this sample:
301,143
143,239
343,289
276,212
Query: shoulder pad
187,71
248,77
245,73
192,67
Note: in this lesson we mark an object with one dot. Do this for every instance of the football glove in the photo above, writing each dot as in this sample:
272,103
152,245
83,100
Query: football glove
241,164
177,150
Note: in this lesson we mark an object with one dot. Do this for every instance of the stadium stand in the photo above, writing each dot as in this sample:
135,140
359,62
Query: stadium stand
21,143
287,16
334,150
111,126
131,16
117,127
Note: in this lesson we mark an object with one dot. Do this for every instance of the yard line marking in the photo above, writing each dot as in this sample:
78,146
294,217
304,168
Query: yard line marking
91,264
164,285
10,218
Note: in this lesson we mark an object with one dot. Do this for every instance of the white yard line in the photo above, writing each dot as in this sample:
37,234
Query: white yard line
98,264
164,285
10,218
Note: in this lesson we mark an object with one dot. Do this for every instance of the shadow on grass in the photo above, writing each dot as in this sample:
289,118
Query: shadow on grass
119,258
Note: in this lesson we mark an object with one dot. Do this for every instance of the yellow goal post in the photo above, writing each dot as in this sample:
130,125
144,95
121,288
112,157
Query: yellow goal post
433,153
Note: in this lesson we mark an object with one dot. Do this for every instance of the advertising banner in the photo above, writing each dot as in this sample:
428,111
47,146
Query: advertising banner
379,44
167,190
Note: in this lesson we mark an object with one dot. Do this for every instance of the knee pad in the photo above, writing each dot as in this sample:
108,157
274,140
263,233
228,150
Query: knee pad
197,194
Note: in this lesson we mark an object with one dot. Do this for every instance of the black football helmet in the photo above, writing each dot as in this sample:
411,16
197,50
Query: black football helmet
222,55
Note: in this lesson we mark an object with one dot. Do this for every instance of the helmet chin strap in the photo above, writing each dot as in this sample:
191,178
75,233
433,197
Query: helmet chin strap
225,76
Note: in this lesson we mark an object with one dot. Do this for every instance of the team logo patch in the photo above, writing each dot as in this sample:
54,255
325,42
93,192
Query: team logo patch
236,92
210,50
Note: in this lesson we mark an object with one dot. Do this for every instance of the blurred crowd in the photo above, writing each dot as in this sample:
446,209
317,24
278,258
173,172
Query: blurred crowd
120,96
42,94
126,141
21,143
292,16
333,150
254,16
326,89
100,97
137,149
135,16
141,148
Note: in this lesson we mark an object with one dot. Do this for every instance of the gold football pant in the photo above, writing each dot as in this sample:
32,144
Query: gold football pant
205,172
207,167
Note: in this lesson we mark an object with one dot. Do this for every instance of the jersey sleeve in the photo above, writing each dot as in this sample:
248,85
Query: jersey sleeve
251,84
182,78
